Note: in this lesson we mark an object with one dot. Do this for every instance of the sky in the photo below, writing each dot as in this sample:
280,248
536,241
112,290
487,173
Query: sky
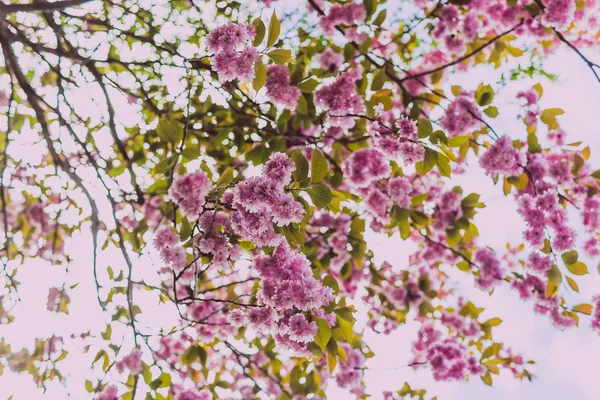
567,361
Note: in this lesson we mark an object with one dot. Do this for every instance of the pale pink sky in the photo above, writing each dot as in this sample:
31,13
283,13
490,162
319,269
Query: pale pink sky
567,361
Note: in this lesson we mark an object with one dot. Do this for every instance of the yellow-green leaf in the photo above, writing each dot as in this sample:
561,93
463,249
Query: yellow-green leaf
274,30
259,25
584,308
260,76
280,56
577,268
318,166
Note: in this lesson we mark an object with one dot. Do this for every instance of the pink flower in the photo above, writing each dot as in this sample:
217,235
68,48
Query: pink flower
596,314
461,116
490,273
132,362
340,99
278,87
225,38
502,158
189,191
558,13
109,393
365,166
330,60
347,14
300,329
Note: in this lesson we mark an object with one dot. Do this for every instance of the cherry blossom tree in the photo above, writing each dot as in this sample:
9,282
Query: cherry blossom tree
247,147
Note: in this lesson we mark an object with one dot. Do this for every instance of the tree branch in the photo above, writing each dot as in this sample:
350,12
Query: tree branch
43,7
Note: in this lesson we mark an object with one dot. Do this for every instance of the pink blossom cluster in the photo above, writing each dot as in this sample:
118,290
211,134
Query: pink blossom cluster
288,290
558,14
448,210
350,373
261,202
330,60
131,362
539,263
466,327
448,358
365,166
39,217
55,296
193,395
490,272
171,252
171,349
347,14
216,228
336,241
401,290
189,192
278,87
462,116
591,221
227,61
341,100
534,287
211,312
404,145
109,393
152,212
531,107
596,314
287,281
502,158
543,212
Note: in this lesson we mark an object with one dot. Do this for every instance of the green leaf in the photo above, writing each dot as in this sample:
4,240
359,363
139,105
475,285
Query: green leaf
274,30
190,354
185,229
379,79
554,281
323,333
294,236
318,166
169,131
308,86
320,195
346,313
577,268
548,116
484,95
539,90
260,76
280,56
573,284
491,111
493,321
424,127
226,178
302,106
570,257
260,32
443,164
487,378
457,141
301,171
331,282
584,308
428,163
162,381
380,18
